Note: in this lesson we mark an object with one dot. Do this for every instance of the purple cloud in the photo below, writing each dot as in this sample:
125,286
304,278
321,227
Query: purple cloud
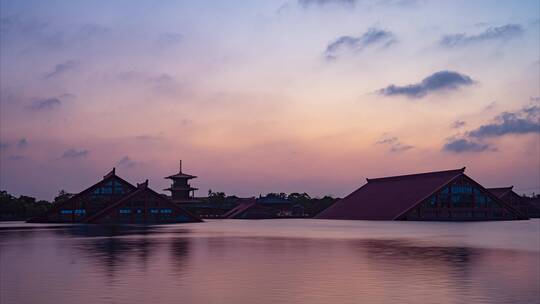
439,81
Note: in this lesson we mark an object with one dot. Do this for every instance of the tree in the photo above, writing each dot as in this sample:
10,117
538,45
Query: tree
216,197
62,196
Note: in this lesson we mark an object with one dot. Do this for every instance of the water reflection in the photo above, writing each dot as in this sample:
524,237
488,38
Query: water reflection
171,264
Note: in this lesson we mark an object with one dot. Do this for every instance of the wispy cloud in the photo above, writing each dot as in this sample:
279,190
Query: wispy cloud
166,40
458,124
308,3
15,157
22,143
439,81
523,121
147,137
61,68
460,145
126,162
373,36
500,33
74,153
45,104
394,143
4,145
142,77
526,120
92,30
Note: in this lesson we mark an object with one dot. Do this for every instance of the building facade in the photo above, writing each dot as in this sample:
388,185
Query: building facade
434,196
114,200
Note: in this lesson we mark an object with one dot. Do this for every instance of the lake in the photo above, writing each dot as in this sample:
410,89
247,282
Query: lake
272,261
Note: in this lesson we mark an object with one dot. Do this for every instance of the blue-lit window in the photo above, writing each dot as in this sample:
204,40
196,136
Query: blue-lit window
480,200
118,189
80,211
154,210
66,211
125,211
103,190
139,211
461,189
166,210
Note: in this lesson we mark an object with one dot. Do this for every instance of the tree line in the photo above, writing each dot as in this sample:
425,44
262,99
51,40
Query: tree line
25,207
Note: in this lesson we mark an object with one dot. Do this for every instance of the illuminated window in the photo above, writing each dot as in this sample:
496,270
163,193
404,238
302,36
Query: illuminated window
125,211
166,210
66,211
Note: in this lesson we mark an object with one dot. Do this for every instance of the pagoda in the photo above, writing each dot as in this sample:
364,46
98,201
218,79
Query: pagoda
180,189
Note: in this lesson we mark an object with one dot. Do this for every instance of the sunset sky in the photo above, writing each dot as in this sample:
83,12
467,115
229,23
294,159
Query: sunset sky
267,96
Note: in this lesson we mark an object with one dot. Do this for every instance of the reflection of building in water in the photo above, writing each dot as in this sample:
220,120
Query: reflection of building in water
114,200
522,204
440,196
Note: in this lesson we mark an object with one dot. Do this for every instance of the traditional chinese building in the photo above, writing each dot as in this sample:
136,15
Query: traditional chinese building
181,190
114,200
434,196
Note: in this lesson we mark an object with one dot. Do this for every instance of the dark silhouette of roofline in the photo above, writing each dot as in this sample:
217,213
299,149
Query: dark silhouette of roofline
111,174
386,178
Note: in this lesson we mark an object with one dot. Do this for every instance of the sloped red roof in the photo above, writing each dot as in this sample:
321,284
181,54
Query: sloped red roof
388,197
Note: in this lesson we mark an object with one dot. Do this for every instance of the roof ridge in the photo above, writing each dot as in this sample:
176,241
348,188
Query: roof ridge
506,188
462,170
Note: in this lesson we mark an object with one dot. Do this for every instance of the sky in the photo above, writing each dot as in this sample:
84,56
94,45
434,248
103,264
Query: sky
267,96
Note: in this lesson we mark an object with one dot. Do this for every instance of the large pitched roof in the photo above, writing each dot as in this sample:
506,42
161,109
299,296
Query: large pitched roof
388,197
107,177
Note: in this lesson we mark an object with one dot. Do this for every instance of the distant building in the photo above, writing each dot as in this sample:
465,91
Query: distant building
114,200
434,196
268,207
181,190
534,202
522,204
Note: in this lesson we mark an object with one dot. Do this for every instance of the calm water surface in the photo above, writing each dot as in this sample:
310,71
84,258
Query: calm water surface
272,261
